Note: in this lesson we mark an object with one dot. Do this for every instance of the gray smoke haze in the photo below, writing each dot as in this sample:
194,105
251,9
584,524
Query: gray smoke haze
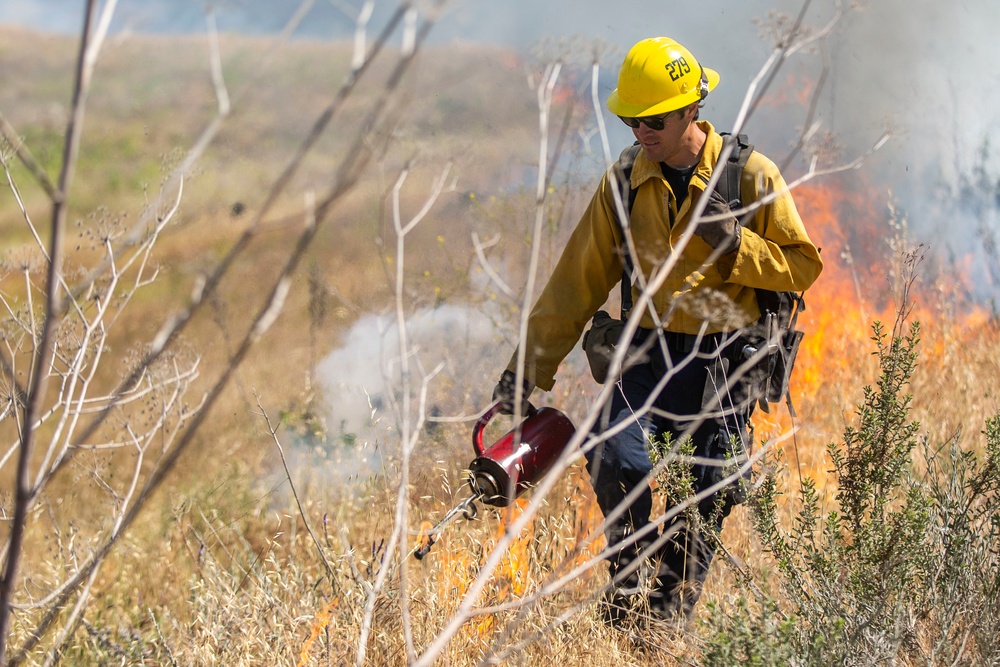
463,341
923,68
927,66
929,70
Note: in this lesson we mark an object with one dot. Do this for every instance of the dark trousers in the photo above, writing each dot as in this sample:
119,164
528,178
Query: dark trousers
622,462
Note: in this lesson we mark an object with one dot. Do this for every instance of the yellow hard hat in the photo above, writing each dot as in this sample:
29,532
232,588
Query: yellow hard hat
658,76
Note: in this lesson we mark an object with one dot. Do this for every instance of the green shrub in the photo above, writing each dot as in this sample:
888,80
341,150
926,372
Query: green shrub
904,570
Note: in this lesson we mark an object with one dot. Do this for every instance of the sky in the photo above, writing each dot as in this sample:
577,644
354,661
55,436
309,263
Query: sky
926,69
517,22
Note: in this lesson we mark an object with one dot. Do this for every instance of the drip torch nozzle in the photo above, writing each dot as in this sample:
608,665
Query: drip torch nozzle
426,540
428,535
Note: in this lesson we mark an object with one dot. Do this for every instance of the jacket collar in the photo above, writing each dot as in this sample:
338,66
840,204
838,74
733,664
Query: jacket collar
645,169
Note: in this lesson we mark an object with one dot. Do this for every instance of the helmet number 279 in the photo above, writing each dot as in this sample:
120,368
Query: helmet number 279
678,68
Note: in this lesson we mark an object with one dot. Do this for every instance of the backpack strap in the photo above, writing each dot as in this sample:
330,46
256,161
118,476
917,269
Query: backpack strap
623,176
728,186
729,182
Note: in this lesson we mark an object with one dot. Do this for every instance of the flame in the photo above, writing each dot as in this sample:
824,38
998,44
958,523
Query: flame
512,573
320,622
859,239
424,536
511,578
836,318
795,90
586,516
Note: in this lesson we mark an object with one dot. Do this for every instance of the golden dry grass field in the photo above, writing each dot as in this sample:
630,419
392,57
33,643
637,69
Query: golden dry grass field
264,549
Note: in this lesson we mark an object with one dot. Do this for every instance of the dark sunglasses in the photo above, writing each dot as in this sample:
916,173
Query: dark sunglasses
654,123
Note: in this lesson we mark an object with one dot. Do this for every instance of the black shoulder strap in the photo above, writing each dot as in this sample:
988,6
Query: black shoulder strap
728,186
623,174
729,181
786,305
625,163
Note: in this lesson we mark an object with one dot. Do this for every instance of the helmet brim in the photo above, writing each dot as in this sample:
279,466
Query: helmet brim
621,107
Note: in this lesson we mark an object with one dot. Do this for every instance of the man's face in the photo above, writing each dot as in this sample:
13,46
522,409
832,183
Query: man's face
662,145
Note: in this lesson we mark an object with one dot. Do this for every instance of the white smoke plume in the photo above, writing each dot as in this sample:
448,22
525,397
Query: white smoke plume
362,377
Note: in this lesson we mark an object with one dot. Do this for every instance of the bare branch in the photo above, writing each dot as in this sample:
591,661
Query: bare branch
27,159
273,430
488,268
216,60
408,434
38,382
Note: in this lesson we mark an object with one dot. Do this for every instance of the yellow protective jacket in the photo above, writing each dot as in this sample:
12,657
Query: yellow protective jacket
775,254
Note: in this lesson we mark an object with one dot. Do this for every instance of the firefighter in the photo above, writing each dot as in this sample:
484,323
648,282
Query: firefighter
661,87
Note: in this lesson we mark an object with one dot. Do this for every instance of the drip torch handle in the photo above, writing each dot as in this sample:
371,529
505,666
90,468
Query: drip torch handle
477,430
491,412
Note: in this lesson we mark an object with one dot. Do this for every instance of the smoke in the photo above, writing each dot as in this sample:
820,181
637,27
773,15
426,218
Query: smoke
929,66
927,70
457,348
922,68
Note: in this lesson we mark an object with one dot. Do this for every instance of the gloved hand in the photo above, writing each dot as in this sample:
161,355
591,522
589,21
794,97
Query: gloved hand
599,343
505,390
723,233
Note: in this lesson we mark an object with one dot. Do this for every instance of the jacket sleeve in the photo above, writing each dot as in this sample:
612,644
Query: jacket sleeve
776,252
589,267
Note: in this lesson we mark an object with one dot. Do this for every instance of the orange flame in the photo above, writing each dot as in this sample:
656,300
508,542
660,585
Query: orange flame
512,572
512,575
320,622
854,290
511,578
586,516
794,90
424,536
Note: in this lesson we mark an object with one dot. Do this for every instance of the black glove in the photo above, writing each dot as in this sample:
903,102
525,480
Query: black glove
599,343
505,391
723,233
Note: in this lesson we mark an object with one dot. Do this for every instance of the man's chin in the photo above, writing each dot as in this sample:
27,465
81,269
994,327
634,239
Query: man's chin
653,153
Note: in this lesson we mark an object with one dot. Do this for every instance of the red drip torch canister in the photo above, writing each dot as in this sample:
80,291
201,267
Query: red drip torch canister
521,457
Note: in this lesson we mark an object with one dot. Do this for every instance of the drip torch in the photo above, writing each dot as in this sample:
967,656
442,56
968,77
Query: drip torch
514,463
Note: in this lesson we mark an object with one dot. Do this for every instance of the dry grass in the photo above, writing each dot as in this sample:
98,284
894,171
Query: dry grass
259,594
246,585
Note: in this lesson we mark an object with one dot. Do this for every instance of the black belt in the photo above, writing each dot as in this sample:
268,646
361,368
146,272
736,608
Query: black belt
685,343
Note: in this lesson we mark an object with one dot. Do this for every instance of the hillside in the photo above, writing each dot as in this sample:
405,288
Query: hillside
151,99
153,96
